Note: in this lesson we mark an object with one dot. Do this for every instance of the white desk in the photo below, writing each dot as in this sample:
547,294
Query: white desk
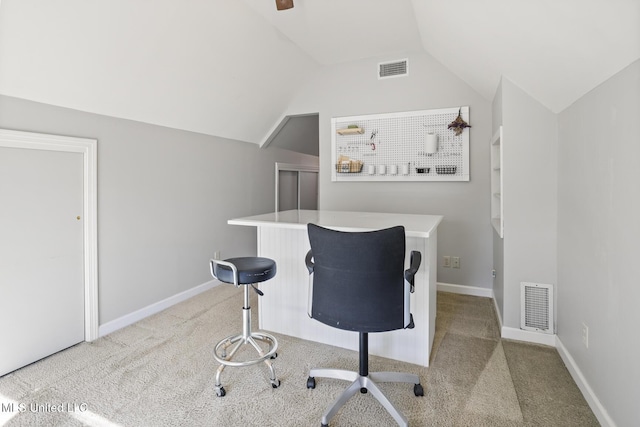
282,236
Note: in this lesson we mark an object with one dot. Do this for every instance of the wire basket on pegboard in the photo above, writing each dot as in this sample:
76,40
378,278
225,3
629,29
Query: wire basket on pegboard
446,170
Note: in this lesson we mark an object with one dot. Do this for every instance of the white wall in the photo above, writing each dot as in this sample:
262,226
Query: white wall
354,89
599,240
164,197
529,196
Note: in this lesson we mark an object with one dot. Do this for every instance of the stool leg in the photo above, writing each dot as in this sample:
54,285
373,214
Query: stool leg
246,328
218,386
274,382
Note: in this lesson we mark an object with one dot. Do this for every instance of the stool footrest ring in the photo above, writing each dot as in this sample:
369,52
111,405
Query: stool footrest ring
223,359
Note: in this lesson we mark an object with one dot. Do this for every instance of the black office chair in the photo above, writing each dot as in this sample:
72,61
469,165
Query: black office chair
245,271
358,283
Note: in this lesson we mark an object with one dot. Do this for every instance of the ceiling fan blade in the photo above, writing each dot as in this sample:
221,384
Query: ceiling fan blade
284,4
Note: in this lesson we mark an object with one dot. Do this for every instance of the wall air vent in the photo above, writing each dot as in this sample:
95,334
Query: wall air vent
536,307
393,69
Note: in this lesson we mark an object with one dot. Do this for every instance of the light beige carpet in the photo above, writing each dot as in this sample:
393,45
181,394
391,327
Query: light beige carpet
160,372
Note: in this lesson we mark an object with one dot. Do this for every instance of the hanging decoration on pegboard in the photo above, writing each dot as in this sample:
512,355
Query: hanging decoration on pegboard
459,124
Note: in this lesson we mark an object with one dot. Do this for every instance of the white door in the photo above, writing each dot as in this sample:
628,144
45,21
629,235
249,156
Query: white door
41,254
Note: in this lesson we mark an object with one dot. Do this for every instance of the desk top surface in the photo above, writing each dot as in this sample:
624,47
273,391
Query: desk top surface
415,225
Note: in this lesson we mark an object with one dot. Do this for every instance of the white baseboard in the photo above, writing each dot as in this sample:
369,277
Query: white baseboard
528,336
465,290
594,403
131,318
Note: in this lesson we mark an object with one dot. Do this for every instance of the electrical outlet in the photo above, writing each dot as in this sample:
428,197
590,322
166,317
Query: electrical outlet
493,273
585,335
446,261
455,262
216,255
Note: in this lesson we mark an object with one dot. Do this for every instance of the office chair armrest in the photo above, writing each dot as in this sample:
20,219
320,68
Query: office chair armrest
308,261
414,261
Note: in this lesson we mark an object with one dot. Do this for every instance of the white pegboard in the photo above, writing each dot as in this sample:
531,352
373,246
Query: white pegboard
393,147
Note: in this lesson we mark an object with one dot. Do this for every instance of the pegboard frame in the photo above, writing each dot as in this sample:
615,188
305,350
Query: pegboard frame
400,139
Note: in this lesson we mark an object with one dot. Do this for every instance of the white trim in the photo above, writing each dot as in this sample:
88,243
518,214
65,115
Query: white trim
131,318
528,336
274,131
294,167
88,148
465,290
594,403
277,127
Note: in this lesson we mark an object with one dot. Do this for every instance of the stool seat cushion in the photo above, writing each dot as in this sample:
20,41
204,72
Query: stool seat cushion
250,270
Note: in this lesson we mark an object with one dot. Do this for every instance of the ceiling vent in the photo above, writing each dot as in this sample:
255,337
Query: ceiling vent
393,69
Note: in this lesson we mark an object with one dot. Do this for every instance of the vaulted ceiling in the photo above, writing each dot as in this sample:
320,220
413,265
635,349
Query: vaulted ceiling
229,67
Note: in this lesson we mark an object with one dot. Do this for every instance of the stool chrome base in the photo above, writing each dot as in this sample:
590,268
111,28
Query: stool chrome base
247,337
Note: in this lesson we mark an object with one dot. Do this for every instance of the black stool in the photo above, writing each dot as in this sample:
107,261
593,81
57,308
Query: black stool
245,271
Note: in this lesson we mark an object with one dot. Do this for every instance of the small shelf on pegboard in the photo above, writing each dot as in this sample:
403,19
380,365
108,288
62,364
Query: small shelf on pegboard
350,131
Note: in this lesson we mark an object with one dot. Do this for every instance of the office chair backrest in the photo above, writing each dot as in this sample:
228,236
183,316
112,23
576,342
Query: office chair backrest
358,279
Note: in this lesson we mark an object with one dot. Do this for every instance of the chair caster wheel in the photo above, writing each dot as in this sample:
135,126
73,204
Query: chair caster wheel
311,382
418,390
274,356
220,392
275,383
